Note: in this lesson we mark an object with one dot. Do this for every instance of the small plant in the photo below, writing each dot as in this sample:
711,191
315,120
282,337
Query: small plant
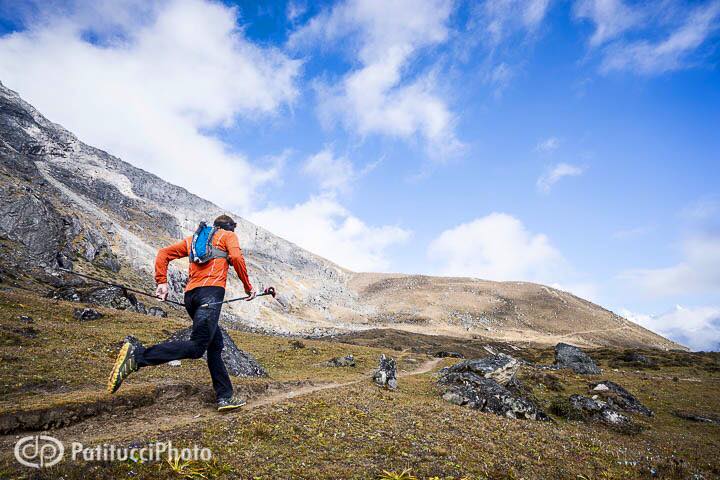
560,406
404,475
193,470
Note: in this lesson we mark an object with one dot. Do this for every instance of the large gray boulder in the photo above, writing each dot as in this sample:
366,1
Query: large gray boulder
570,356
238,362
488,385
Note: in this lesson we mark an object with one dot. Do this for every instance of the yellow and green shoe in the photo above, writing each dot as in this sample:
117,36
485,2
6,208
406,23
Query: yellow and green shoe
125,364
227,404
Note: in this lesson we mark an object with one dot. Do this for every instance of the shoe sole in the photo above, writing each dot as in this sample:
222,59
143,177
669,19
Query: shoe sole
231,407
114,381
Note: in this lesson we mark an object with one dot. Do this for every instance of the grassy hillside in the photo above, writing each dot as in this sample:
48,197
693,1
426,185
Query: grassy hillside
308,420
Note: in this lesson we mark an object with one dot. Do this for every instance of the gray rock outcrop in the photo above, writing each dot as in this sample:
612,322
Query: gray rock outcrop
598,410
619,398
488,384
346,361
570,356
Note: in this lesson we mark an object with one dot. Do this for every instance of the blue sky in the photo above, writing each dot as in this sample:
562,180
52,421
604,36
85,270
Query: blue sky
570,143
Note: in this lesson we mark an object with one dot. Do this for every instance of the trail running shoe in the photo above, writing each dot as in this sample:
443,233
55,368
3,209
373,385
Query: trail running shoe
226,404
125,364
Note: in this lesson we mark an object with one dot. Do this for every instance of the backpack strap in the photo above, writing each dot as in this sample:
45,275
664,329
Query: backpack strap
217,253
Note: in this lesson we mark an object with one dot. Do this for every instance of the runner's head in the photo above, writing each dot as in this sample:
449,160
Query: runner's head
225,222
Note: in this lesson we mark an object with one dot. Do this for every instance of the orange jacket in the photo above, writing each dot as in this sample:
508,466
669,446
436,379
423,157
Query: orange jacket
210,274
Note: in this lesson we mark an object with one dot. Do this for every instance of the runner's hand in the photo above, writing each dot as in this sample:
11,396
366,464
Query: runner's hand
251,295
161,292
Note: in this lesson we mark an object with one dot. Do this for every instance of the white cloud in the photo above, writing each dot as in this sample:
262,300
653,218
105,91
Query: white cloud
156,77
500,19
496,247
323,226
555,174
295,10
697,328
332,173
380,96
650,38
611,18
550,144
698,272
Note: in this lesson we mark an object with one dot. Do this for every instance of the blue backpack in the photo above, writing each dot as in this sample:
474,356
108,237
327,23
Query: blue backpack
202,249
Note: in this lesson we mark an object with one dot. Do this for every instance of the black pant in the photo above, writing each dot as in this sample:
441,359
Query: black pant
205,337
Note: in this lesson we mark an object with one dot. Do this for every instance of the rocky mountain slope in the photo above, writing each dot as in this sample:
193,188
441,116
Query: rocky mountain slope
66,204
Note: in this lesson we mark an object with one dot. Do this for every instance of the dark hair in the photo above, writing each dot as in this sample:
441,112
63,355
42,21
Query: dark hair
225,222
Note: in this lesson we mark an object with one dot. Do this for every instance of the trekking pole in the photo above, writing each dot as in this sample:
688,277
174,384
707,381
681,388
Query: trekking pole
128,289
267,291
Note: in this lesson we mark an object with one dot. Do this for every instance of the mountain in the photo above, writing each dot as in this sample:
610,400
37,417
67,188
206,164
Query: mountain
67,204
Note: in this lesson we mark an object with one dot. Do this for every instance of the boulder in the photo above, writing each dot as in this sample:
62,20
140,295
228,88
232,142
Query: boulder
569,356
500,367
597,410
488,384
238,362
619,398
346,361
386,374
86,314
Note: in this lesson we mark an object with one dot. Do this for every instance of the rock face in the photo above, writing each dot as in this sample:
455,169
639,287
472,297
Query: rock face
619,398
238,362
386,374
488,385
569,356
346,361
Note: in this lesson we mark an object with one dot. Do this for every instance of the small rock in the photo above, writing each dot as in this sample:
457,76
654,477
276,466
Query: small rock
698,417
601,387
386,374
157,312
296,344
86,314
569,356
26,319
444,354
175,363
346,361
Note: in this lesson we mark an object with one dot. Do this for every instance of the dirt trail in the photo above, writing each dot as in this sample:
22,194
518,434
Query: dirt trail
602,330
279,397
172,414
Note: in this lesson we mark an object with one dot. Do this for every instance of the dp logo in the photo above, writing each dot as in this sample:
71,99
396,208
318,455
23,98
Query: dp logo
39,451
